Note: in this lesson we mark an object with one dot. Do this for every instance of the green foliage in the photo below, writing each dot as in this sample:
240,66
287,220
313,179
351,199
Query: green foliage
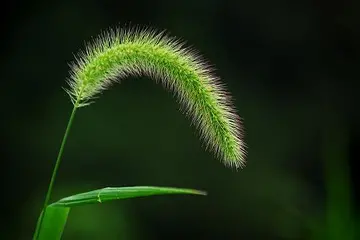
53,222
115,193
56,214
145,52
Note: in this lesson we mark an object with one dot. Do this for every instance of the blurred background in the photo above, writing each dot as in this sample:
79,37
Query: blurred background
293,69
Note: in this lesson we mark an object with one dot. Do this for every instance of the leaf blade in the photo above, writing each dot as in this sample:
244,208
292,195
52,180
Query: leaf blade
53,223
117,193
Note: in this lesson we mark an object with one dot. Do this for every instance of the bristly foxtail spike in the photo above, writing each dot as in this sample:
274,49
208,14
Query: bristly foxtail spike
144,51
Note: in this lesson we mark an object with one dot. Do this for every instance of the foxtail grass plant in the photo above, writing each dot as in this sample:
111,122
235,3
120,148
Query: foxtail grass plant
141,51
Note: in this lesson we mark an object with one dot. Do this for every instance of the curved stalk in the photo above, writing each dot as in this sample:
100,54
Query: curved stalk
56,167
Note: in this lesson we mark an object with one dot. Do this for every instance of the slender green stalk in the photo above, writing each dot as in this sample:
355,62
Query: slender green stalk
57,164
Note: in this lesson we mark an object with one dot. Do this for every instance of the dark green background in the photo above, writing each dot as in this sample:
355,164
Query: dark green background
293,68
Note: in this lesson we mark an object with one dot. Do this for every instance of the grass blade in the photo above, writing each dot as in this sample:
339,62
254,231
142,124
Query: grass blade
115,193
53,223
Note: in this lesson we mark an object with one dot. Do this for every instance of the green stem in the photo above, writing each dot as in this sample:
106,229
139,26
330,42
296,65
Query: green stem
57,164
